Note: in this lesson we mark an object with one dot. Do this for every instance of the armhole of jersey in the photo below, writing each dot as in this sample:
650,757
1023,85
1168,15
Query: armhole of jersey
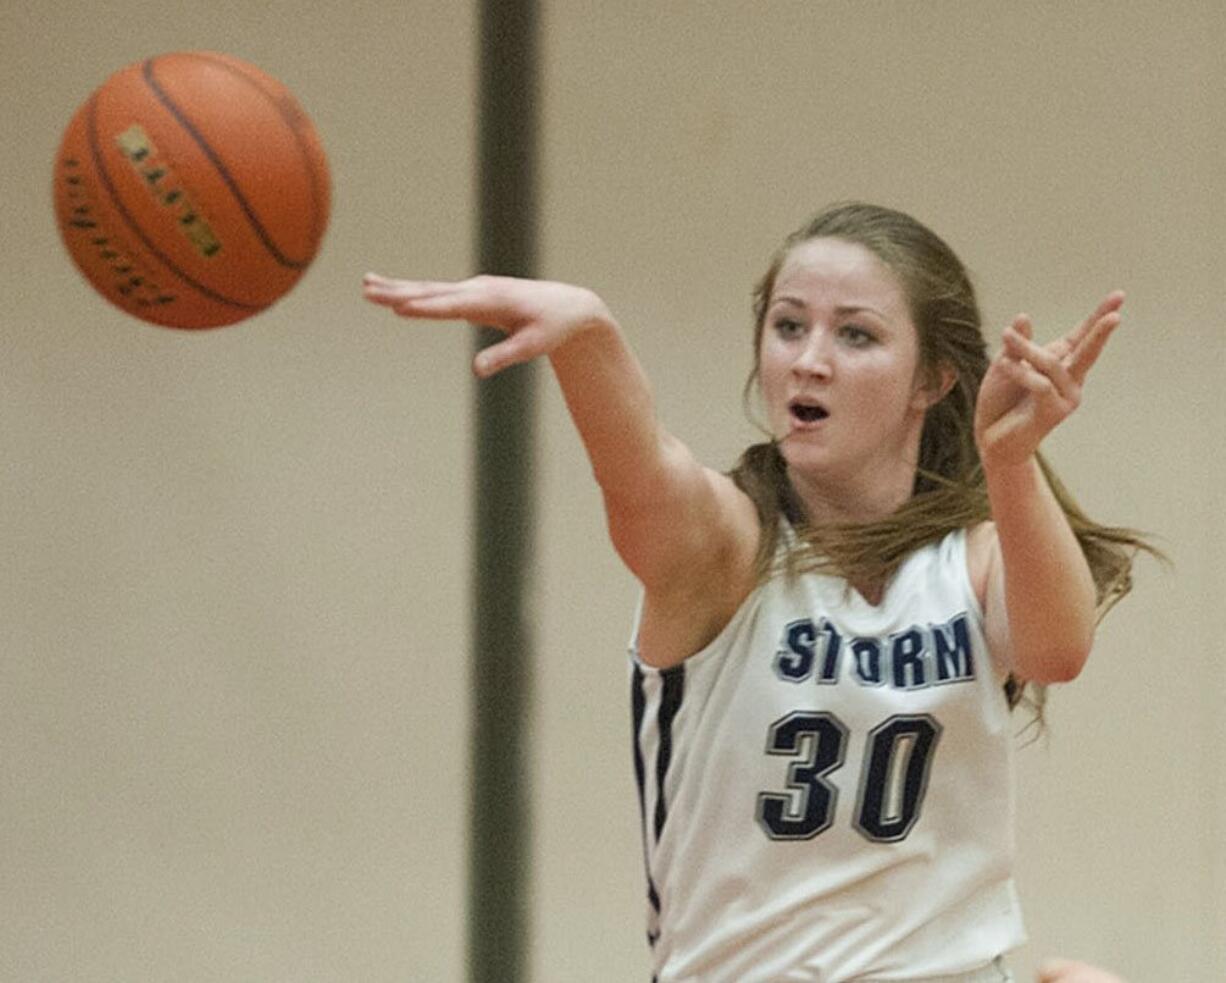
632,646
788,539
704,653
961,554
962,550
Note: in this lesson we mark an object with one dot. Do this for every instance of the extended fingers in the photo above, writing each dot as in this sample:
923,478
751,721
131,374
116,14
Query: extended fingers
1086,353
1026,375
478,299
497,302
388,291
1112,302
1046,363
1108,305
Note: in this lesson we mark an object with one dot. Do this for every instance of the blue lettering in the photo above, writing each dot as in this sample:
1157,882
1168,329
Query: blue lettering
918,657
794,660
907,654
867,653
952,642
832,655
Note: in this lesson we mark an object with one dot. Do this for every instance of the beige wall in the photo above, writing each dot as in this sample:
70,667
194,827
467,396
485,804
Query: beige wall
233,602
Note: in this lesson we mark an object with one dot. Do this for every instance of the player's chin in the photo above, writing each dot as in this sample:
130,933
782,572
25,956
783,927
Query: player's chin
804,455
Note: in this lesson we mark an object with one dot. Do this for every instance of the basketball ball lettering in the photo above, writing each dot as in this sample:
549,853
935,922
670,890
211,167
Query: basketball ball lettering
166,188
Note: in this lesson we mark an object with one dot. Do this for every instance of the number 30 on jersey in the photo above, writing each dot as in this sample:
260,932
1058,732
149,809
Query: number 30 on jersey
897,759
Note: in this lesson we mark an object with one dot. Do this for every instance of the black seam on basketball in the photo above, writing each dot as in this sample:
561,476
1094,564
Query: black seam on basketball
91,130
216,161
317,212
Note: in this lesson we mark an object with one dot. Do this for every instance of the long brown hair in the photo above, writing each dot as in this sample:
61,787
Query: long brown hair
949,491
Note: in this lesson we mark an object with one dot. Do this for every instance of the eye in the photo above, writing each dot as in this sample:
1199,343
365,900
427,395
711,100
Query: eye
788,327
856,335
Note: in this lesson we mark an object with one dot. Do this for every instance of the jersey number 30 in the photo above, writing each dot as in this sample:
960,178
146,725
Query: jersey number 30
897,759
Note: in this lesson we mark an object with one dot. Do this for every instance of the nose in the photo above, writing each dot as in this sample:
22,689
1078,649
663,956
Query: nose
815,357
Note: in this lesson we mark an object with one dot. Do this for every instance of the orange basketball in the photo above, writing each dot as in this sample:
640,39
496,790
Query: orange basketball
191,189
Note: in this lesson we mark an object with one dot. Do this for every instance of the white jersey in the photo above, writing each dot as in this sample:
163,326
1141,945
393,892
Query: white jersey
827,788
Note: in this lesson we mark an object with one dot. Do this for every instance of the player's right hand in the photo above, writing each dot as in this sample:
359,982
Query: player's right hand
536,315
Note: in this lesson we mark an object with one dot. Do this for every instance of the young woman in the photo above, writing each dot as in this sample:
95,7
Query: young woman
832,635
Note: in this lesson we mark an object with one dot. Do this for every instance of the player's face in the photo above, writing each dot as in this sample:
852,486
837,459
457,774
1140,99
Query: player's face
838,365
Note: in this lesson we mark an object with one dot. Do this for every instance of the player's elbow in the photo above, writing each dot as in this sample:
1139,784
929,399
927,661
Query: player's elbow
1067,668
1054,665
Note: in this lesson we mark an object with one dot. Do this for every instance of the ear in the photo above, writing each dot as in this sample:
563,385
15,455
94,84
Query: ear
934,386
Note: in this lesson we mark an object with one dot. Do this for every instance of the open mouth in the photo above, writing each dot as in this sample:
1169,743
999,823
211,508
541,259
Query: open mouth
805,412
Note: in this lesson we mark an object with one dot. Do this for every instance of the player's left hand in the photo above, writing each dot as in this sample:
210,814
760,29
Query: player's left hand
1029,389
1071,971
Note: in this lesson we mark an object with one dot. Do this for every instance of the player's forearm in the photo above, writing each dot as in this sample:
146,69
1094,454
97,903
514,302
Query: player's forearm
1049,591
613,409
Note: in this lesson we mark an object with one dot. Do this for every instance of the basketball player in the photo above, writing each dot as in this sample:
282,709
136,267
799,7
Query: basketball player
831,635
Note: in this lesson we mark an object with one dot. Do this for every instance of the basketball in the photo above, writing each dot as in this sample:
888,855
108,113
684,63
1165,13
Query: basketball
191,190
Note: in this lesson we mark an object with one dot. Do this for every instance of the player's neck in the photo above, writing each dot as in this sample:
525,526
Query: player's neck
871,499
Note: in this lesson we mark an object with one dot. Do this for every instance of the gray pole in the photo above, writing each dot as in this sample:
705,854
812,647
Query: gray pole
500,819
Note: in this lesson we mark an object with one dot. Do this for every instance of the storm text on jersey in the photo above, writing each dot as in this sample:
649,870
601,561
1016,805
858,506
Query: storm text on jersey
919,657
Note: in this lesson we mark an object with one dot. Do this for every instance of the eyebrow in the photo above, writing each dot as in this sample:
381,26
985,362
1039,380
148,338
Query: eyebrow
841,310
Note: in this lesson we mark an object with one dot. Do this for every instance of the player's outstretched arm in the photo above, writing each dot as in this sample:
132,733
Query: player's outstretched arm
1040,602
667,513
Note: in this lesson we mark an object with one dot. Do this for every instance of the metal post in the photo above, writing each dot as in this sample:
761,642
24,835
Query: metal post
500,815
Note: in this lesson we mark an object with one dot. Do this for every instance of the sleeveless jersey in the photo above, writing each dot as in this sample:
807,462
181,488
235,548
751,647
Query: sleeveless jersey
827,787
